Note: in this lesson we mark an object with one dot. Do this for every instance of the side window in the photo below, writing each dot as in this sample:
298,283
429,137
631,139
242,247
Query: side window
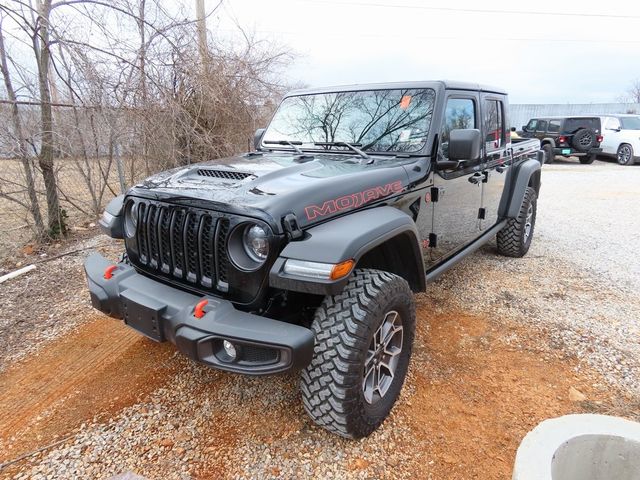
542,126
531,126
612,123
554,126
493,125
460,113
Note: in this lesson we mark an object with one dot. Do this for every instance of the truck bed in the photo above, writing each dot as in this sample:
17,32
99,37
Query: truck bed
524,146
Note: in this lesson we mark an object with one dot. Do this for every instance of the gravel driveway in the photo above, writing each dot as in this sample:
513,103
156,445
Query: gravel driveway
501,344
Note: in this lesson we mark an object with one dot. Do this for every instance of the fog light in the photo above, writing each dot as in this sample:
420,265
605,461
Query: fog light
230,349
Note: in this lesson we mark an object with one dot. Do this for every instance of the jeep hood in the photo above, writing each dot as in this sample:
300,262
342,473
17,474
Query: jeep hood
278,183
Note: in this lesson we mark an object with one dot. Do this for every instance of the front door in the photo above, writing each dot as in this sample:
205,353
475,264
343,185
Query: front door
541,129
496,158
458,191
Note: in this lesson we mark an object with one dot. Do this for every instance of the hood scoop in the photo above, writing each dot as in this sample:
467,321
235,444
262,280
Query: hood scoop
224,174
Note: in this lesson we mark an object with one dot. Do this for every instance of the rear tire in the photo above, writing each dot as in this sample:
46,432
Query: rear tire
364,337
515,237
624,156
587,159
549,156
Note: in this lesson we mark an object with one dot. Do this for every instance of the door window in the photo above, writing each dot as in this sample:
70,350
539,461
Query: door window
554,126
460,113
613,123
630,123
542,126
493,125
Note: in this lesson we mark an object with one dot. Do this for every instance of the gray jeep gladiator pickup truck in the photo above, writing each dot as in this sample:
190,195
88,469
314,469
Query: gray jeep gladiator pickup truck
305,253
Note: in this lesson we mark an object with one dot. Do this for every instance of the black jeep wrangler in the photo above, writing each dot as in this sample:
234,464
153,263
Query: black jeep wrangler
305,253
567,136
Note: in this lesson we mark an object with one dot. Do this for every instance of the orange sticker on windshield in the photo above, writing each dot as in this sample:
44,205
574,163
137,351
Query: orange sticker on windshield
405,101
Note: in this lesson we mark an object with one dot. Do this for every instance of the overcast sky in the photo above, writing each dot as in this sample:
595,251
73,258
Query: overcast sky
580,51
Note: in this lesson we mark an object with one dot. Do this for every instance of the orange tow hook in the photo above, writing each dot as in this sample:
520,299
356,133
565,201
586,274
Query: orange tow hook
108,272
199,310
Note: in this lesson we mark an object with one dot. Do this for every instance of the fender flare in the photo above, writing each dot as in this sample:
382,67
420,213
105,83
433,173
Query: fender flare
510,206
548,140
345,238
112,220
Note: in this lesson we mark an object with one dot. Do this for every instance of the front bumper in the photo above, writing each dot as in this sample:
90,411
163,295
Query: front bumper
162,313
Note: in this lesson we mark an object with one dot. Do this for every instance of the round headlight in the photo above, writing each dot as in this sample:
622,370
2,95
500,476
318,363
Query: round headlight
130,219
248,246
256,243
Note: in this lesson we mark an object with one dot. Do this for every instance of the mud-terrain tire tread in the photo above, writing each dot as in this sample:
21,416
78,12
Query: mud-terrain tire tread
510,238
343,325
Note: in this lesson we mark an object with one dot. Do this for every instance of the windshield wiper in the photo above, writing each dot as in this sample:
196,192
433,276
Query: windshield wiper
352,146
286,142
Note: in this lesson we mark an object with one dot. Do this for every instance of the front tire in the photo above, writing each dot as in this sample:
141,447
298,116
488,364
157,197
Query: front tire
625,154
364,337
514,239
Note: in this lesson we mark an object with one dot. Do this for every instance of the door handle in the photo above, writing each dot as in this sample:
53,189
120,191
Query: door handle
501,168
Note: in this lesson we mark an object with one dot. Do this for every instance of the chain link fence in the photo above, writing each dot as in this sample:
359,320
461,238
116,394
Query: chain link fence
84,187
99,154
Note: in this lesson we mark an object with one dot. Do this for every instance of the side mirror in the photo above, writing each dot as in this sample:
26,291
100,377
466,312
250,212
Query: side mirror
257,138
524,128
464,144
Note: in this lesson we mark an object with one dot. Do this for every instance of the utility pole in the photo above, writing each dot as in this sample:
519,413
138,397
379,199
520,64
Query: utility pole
202,36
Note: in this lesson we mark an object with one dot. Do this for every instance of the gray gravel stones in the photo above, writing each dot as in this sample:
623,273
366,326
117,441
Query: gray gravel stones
580,282
576,292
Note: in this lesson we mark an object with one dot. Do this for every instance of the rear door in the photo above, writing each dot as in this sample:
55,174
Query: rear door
459,191
611,133
496,159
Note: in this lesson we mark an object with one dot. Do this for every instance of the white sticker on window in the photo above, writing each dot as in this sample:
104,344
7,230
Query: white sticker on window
405,135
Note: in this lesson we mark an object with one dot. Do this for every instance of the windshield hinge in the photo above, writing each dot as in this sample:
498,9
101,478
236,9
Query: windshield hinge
290,225
435,194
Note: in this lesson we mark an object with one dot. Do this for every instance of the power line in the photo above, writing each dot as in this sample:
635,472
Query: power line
349,34
474,10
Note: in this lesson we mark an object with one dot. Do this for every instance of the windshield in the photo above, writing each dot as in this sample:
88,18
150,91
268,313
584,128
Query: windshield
373,120
630,123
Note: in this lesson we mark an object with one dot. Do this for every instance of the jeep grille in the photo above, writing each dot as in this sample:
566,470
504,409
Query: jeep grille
182,243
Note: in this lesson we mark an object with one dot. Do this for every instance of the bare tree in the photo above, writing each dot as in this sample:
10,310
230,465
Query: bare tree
169,95
42,52
632,94
33,206
634,91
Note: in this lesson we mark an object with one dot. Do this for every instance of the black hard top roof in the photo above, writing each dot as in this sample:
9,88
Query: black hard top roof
448,84
562,117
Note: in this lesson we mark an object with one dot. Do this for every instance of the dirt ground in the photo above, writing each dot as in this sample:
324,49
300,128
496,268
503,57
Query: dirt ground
469,400
502,344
